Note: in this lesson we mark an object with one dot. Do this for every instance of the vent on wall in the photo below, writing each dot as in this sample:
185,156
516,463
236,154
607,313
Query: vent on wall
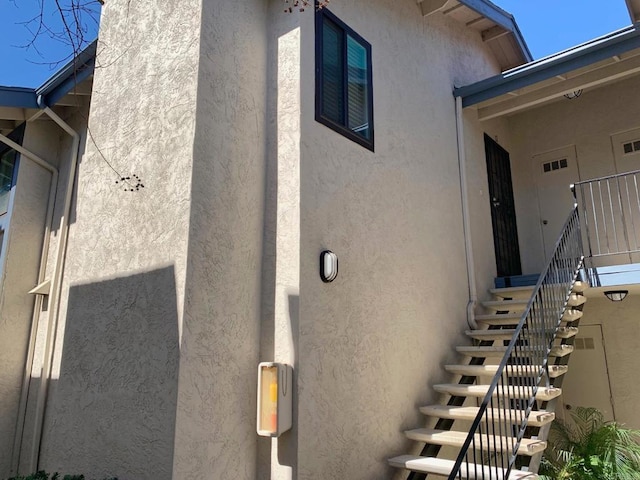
584,344
631,147
556,165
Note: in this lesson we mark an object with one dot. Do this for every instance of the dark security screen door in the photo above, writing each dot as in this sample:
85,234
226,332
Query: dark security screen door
503,212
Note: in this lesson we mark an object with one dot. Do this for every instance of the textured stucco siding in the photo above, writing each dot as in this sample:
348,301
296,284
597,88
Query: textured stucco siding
586,122
25,233
215,423
112,399
372,342
619,321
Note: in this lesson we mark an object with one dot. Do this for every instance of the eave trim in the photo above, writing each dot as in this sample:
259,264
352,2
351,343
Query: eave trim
581,56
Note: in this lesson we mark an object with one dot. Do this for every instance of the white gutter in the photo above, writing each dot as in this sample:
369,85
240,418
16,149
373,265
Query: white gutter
38,302
55,292
468,247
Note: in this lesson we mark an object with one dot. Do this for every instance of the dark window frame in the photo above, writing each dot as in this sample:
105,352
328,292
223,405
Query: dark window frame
321,14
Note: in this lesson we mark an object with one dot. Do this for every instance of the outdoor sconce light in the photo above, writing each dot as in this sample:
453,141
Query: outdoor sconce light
275,389
616,295
328,266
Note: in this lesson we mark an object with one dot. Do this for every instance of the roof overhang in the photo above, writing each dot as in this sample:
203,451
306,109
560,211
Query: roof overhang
603,60
634,10
65,88
497,27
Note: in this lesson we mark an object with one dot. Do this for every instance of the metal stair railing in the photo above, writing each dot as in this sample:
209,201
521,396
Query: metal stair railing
491,447
610,211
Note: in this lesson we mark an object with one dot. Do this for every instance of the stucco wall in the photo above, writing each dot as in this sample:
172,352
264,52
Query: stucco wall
619,322
586,122
371,343
215,423
126,256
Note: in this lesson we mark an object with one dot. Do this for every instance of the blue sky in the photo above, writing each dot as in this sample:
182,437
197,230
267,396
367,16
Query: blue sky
548,26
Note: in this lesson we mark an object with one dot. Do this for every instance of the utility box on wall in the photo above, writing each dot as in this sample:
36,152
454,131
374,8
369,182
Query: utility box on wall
275,392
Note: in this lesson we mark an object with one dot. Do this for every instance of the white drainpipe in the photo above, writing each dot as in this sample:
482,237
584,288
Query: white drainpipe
38,302
468,247
55,292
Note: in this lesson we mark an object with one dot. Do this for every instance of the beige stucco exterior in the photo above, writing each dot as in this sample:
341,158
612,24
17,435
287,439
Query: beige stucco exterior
172,294
619,326
213,266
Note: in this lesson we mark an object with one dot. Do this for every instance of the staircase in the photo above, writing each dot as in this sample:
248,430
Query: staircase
497,410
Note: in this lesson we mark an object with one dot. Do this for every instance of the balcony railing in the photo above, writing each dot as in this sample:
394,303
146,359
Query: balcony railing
609,209
491,447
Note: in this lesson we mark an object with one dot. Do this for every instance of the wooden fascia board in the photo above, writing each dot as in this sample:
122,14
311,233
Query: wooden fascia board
593,78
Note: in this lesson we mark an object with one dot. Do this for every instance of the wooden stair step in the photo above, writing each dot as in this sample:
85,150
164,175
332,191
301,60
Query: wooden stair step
512,391
499,350
499,319
453,438
512,370
571,315
527,291
567,332
580,287
443,467
502,319
517,305
575,300
508,333
537,418
513,292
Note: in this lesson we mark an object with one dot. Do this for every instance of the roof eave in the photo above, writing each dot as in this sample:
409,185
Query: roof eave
73,73
16,97
502,18
634,10
583,55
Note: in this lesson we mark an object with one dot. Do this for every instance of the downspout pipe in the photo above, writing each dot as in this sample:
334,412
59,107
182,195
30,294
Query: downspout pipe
38,301
56,288
466,222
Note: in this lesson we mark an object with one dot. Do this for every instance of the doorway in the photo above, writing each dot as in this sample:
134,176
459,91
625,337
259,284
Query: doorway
503,211
555,171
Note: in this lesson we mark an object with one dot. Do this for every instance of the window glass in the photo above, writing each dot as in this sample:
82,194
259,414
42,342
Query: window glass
7,164
343,79
332,72
358,87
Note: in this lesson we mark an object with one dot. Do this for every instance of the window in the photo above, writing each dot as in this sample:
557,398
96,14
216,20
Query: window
631,147
7,167
344,97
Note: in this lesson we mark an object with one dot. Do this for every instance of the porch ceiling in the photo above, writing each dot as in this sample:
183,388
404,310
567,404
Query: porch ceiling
596,63
497,27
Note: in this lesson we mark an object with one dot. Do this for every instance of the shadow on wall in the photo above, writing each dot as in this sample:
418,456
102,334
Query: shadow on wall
112,409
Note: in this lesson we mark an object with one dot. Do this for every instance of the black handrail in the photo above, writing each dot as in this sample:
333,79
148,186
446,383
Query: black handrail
494,439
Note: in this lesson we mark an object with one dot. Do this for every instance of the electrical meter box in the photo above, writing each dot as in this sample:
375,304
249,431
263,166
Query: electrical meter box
275,392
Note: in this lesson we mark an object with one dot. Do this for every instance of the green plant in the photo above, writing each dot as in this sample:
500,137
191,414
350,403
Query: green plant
588,448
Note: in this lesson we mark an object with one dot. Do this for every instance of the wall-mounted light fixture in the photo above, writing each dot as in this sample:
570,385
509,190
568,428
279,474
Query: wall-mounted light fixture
328,266
275,392
616,295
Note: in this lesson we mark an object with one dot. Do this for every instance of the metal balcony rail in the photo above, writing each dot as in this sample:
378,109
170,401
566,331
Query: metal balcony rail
494,439
609,208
